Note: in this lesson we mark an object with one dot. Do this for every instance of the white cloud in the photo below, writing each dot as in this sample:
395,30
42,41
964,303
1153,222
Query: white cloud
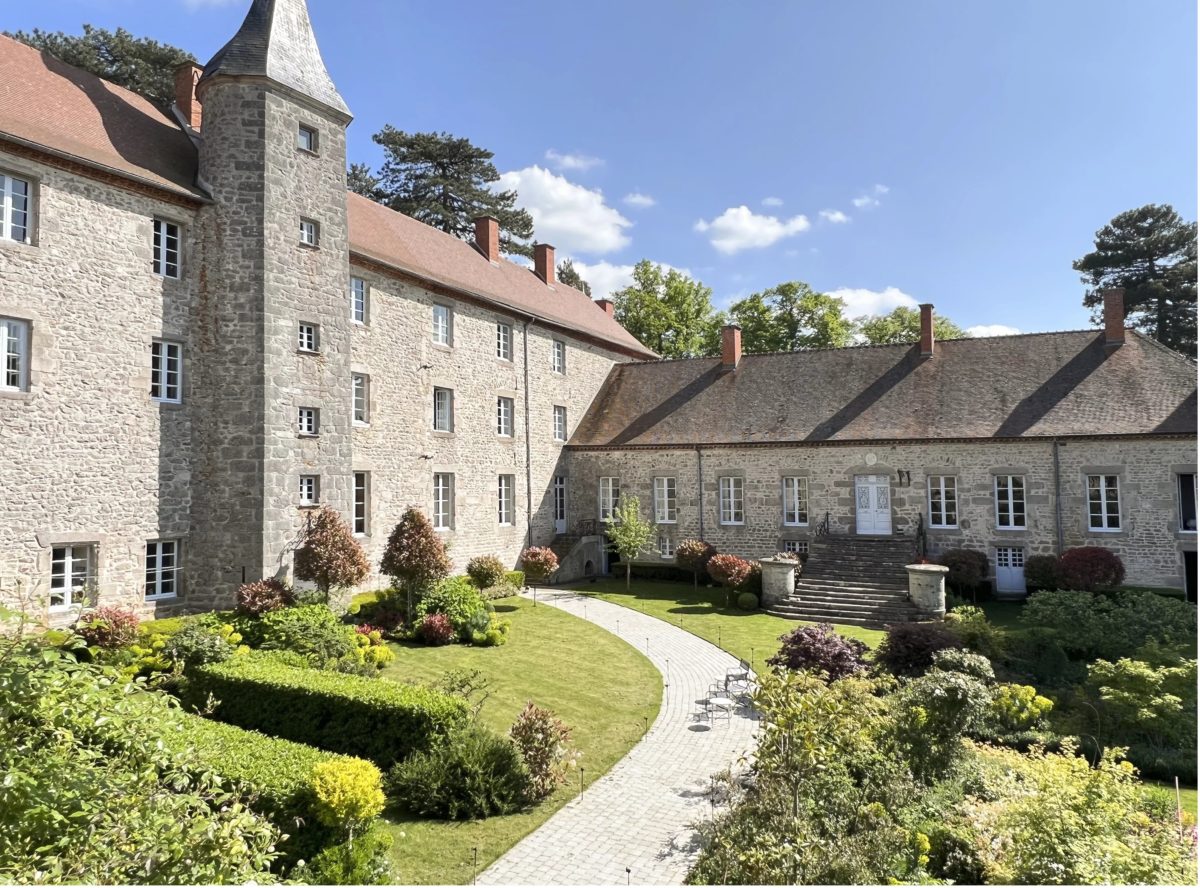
637,199
772,201
882,189
572,160
870,198
573,218
861,301
739,228
980,330
837,217
605,278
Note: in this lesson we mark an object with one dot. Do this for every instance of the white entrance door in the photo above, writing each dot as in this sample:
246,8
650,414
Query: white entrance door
1010,569
560,504
873,504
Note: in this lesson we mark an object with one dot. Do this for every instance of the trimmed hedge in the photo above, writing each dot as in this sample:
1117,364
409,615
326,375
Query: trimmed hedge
377,720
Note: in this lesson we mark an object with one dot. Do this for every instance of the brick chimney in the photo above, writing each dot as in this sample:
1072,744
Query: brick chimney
487,237
610,307
186,76
1114,317
543,262
926,330
731,345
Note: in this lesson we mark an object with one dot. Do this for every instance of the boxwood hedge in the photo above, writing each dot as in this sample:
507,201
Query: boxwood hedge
374,719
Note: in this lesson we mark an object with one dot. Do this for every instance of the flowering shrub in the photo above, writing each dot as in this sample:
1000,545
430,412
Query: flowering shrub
545,746
329,555
435,629
729,570
538,562
263,596
820,649
1090,568
108,627
348,793
415,557
486,571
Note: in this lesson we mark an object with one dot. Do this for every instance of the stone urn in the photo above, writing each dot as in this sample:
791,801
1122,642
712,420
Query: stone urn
926,587
778,579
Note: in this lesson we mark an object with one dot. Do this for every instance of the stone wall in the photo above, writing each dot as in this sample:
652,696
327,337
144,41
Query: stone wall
1150,542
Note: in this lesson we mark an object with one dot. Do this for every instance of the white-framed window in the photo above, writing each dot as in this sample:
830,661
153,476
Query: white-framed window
1187,502
308,338
166,371
310,490
358,300
665,511
666,546
800,547
1010,502
560,423
166,248
72,571
504,341
610,493
1104,502
442,322
732,499
308,421
795,501
443,501
443,410
14,355
310,233
361,386
558,356
306,139
943,501
362,503
14,209
504,417
506,499
162,569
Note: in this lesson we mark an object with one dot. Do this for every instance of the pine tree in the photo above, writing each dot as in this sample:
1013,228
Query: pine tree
569,276
329,555
360,180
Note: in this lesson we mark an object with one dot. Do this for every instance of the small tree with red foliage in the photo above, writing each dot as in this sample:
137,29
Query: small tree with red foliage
1088,568
263,596
538,562
415,557
694,555
329,555
731,572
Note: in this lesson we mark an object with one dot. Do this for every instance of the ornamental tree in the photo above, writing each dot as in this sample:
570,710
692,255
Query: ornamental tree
629,534
694,555
329,555
415,557
538,562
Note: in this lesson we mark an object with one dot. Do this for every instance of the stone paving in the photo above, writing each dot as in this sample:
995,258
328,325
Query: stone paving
634,824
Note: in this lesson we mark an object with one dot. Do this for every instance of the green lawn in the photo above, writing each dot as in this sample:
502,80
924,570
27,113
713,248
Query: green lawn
751,636
606,690
1187,795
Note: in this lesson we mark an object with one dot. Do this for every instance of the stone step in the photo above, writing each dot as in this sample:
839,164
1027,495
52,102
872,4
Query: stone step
873,621
835,596
854,578
839,582
848,604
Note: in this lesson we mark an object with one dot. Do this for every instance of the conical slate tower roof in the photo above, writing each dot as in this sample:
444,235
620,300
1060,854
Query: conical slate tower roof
276,40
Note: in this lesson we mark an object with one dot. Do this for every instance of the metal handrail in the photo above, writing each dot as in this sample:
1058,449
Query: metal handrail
921,543
823,527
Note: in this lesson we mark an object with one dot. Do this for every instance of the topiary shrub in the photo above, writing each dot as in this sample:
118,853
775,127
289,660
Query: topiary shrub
1090,568
348,793
728,570
747,601
458,599
820,649
108,627
1041,572
486,571
203,640
263,596
693,556
435,630
516,579
968,569
753,581
908,648
474,774
538,563
544,743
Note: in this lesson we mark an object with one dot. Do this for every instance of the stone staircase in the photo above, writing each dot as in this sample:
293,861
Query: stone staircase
855,580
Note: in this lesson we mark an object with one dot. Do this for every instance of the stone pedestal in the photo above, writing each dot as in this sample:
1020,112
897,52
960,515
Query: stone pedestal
778,579
926,587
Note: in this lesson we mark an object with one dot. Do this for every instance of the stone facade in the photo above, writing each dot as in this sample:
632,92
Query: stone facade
1150,541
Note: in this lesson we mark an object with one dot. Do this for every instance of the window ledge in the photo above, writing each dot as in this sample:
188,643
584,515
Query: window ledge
16,394
305,246
309,506
308,352
153,599
308,435
174,405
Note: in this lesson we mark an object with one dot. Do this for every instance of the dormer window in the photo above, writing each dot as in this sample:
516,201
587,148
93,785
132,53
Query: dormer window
306,139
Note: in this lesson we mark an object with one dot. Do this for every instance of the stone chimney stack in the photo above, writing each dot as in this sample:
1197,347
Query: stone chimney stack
610,307
926,330
487,237
186,77
1114,317
731,346
543,262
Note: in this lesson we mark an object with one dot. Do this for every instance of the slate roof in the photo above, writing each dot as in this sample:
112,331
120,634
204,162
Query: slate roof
1024,386
276,40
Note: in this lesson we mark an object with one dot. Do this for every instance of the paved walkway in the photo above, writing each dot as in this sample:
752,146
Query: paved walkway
637,816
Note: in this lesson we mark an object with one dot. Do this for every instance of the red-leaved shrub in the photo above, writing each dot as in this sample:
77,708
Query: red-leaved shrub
538,562
108,627
436,629
1089,568
545,746
908,648
729,570
1041,572
415,557
820,649
263,596
486,571
329,555
694,555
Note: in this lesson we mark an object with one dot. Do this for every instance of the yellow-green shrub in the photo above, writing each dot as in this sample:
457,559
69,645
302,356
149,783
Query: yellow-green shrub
348,792
1019,707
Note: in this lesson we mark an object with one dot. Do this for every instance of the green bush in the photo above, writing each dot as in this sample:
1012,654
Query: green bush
363,859
311,630
348,793
515,578
1110,626
201,641
457,598
968,569
747,601
1037,653
472,775
971,626
376,720
1016,708
486,571
1041,572
1145,704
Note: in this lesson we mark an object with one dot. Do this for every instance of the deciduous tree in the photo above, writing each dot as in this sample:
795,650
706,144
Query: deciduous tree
628,532
415,557
329,555
667,311
903,324
789,317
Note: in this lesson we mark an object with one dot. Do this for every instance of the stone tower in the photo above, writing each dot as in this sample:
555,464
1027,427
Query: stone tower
273,157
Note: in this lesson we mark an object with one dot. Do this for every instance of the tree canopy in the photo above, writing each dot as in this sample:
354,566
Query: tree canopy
1150,252
789,317
568,275
666,311
138,63
903,324
443,181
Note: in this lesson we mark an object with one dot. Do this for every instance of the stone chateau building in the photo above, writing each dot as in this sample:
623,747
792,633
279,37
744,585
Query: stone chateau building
204,336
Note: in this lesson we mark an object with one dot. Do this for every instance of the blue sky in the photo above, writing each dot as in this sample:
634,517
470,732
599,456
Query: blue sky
961,153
